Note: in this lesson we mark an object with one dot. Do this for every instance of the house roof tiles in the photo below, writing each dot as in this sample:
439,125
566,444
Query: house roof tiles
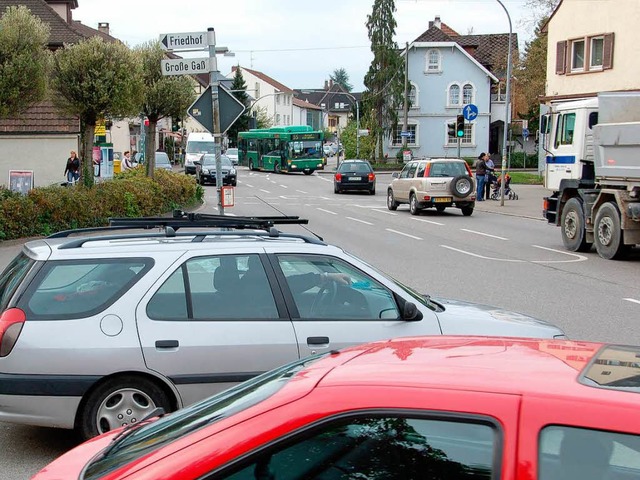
41,118
266,78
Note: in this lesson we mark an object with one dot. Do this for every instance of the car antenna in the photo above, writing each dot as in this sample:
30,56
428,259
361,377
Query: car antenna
283,214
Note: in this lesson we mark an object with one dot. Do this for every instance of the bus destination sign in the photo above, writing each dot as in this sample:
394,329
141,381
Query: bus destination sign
305,136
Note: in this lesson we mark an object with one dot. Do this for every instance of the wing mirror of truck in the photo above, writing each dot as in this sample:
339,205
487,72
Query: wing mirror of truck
593,119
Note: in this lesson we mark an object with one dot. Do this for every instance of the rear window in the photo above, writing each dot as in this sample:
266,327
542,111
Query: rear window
449,169
354,167
12,276
75,289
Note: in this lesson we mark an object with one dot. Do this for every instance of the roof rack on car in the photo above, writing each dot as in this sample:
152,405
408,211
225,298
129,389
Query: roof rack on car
180,219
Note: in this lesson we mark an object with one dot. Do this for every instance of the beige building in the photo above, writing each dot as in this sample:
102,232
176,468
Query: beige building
593,46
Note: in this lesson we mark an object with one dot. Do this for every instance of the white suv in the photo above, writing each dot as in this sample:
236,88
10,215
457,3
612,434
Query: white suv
99,329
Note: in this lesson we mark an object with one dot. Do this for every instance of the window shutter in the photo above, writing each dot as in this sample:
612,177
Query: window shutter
561,56
607,54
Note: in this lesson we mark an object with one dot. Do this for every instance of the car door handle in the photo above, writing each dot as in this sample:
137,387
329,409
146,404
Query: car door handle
167,344
317,341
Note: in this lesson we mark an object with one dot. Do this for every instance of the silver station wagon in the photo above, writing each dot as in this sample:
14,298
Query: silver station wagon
99,329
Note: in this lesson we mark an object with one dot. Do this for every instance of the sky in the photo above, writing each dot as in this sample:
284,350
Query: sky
297,42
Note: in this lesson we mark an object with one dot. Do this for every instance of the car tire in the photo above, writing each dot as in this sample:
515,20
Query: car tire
234,183
336,189
201,181
391,202
440,208
372,191
462,186
413,204
572,227
119,401
607,234
467,211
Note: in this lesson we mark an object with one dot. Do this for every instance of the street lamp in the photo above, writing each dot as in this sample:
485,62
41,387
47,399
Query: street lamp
507,115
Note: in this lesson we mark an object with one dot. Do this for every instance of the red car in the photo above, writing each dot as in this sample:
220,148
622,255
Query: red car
460,408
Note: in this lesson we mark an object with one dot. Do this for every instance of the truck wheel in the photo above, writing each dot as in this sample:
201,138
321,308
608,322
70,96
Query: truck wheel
608,234
572,227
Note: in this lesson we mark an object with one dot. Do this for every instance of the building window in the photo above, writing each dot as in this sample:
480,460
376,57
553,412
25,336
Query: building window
433,61
454,94
468,133
413,96
397,139
597,53
277,119
277,99
467,94
577,55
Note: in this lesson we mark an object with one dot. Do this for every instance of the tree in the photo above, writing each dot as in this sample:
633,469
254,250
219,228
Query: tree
239,90
163,96
263,118
94,80
24,60
341,77
352,146
385,79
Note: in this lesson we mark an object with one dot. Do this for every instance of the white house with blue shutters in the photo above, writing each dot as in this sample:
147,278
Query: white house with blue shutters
447,71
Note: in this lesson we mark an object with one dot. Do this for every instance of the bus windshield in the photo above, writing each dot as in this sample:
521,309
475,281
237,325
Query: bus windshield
201,147
305,149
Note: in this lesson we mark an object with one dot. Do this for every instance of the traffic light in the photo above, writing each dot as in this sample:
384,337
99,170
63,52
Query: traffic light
460,126
451,130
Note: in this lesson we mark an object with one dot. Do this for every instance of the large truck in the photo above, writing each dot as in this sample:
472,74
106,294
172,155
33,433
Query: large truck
592,153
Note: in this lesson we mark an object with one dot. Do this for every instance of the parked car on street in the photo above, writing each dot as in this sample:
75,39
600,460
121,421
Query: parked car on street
464,408
162,161
99,330
232,153
354,175
206,170
435,183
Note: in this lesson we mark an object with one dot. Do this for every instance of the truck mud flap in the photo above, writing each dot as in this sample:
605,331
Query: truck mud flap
550,208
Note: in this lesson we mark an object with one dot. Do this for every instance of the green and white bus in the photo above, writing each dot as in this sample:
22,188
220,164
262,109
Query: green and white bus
282,149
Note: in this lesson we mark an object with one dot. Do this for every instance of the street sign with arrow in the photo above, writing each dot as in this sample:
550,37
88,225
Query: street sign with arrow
184,41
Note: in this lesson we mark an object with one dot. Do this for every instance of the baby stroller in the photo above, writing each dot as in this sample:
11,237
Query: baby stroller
508,191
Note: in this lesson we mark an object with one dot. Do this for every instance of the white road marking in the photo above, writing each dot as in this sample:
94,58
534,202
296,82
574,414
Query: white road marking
427,221
403,234
327,211
358,220
325,198
633,300
482,256
484,234
284,186
577,258
384,211
301,191
265,191
248,185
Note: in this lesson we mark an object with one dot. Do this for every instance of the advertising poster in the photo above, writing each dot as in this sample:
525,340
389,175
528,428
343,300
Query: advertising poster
20,181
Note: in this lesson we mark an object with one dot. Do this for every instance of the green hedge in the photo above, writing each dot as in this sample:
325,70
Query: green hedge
47,210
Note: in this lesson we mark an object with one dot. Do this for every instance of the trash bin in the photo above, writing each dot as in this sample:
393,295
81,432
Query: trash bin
117,166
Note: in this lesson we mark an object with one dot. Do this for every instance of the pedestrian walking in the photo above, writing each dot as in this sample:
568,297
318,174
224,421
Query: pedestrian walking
481,172
489,177
72,168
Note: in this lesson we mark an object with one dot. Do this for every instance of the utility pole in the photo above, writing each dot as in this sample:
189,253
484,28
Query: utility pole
213,83
405,125
507,102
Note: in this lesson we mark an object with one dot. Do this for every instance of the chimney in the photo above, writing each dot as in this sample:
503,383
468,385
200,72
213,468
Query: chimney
330,83
437,22
326,84
103,27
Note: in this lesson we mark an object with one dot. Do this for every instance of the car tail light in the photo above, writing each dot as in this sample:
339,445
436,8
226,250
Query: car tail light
11,322
338,177
468,169
372,177
427,198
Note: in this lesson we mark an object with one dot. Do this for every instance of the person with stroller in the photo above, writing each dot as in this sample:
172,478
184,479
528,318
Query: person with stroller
508,192
490,177
481,171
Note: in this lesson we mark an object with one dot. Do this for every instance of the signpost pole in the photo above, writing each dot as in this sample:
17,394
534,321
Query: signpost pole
217,135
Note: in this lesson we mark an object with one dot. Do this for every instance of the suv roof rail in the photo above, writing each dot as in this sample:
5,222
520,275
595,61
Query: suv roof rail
181,219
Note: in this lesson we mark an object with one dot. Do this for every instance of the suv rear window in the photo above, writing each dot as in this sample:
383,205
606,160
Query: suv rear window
75,289
12,276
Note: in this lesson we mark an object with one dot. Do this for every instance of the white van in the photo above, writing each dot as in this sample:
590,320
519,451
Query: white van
197,144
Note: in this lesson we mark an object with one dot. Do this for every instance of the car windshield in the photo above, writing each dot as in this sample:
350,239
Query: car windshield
154,435
210,161
162,159
232,151
201,147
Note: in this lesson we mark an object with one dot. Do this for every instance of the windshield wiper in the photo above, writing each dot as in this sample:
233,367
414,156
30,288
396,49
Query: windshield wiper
132,427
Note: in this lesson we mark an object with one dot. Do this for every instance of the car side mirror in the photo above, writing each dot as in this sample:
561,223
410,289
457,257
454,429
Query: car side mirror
395,175
197,163
411,313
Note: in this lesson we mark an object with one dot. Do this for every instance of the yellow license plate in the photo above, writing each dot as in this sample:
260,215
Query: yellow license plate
442,200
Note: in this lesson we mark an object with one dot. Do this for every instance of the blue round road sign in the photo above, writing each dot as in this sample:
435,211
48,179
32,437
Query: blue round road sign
470,112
